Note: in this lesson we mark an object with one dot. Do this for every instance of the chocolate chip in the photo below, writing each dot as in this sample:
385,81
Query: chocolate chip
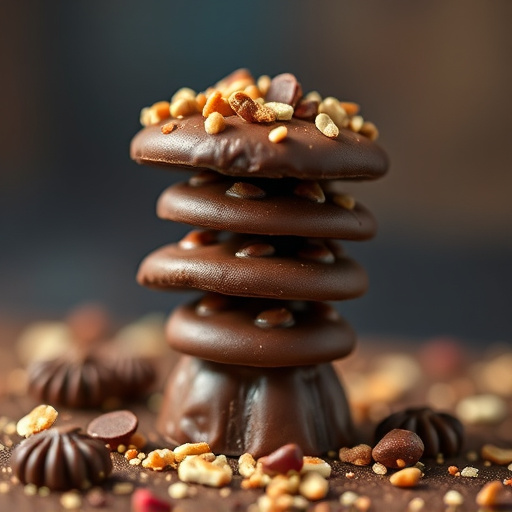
310,190
318,253
398,448
245,190
306,109
256,250
284,88
279,317
324,310
287,458
198,238
205,178
212,303
114,428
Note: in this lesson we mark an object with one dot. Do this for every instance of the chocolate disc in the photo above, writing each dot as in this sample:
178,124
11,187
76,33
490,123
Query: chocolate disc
296,270
285,208
114,428
243,149
259,332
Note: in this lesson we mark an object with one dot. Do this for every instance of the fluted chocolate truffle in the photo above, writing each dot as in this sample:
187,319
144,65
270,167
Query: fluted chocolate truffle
61,459
440,432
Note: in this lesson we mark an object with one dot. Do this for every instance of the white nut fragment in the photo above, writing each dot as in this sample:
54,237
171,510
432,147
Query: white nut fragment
314,486
316,464
332,107
469,472
348,498
184,92
284,112
278,134
416,504
38,419
214,123
326,125
246,465
379,469
199,471
182,451
453,498
178,490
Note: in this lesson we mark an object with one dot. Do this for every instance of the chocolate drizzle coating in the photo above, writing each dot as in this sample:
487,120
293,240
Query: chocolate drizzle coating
61,459
440,432
240,409
243,149
74,380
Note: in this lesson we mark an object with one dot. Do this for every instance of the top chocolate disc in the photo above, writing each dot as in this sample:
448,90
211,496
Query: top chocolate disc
244,149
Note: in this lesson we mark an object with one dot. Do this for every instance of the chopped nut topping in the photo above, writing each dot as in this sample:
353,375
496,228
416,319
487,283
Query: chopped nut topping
283,111
415,505
453,498
183,107
350,108
316,464
186,449
408,477
310,190
454,471
326,125
216,103
263,84
168,128
253,91
360,455
183,93
348,498
331,106
314,486
250,110
159,459
178,490
155,113
214,123
246,465
356,123
369,130
497,455
469,472
379,469
195,469
38,419
278,134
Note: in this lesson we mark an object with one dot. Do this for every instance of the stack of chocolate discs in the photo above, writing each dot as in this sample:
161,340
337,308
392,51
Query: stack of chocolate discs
256,371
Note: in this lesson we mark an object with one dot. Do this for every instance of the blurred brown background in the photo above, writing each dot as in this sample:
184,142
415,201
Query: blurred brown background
76,215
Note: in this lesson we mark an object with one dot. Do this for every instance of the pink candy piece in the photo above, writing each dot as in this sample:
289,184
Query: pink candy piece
144,501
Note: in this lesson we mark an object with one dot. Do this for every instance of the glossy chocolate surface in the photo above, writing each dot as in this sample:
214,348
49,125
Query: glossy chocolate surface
279,212
243,149
284,275
258,332
240,409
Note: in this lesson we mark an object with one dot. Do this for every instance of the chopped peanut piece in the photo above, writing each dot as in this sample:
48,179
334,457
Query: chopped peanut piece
278,134
183,107
216,103
314,486
263,84
38,419
159,459
184,92
318,465
283,111
214,123
408,477
369,130
350,108
246,465
182,451
167,128
201,101
131,454
495,454
253,91
332,107
197,470
326,125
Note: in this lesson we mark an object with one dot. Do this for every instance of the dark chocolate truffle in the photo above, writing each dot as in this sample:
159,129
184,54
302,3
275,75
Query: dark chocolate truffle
61,459
74,380
439,431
